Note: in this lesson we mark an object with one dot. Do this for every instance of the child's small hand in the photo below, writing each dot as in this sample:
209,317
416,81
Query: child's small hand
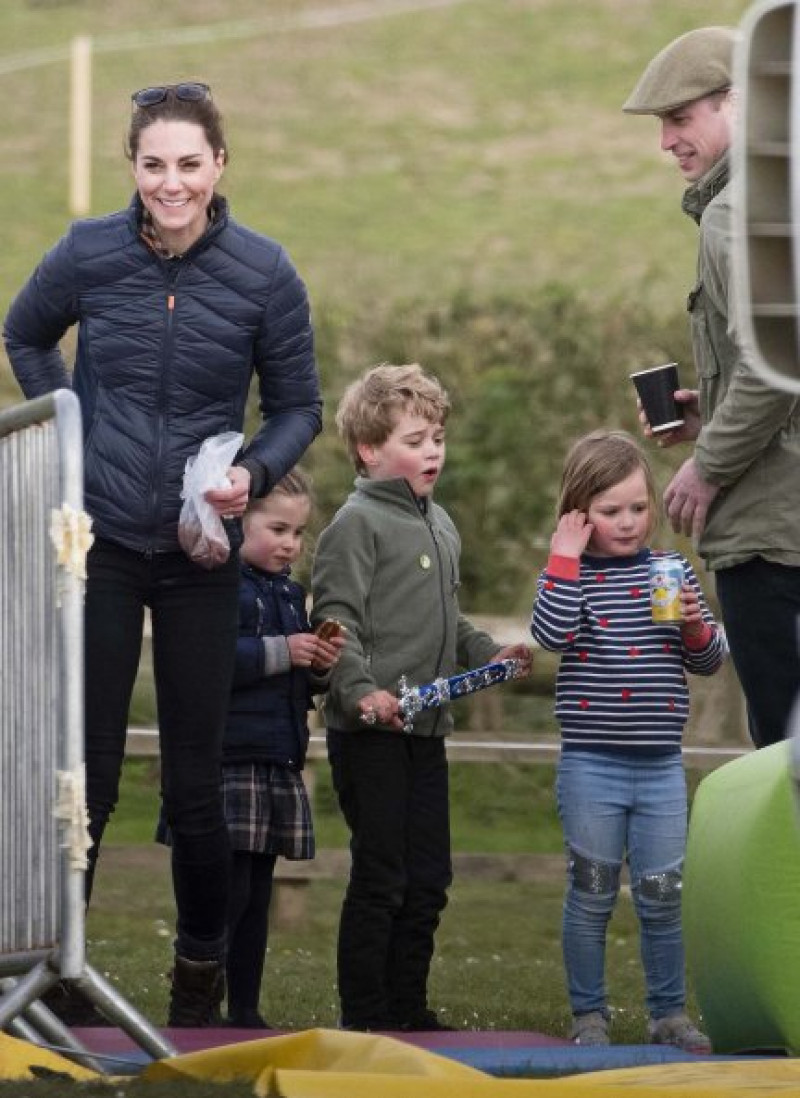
522,654
572,535
302,648
692,623
381,708
328,652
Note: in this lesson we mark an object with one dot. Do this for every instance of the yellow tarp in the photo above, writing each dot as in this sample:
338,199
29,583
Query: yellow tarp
729,1080
322,1063
318,1053
18,1057
752,1078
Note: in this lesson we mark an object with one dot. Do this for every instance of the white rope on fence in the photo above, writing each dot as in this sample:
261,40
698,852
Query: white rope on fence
466,747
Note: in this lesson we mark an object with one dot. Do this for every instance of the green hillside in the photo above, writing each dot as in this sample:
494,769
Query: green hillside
478,144
456,183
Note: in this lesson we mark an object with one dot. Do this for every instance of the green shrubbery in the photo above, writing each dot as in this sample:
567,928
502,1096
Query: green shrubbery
526,375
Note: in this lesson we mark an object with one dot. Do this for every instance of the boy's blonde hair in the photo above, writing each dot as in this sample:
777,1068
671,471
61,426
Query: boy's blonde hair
295,483
371,406
597,462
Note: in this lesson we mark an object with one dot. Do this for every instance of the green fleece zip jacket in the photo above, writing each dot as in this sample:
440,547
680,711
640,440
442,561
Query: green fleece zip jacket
750,441
387,568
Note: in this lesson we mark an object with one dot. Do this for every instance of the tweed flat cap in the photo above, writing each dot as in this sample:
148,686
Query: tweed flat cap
694,65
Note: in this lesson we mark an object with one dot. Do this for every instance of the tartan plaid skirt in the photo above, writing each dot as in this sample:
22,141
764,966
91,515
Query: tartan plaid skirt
267,810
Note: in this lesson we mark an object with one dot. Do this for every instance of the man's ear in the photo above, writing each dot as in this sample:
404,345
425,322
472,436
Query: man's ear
732,101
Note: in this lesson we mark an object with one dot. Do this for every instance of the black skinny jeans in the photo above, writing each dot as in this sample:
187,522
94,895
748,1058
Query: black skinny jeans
195,621
393,791
760,604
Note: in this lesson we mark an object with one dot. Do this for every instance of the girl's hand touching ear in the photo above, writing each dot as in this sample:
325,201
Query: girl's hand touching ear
572,535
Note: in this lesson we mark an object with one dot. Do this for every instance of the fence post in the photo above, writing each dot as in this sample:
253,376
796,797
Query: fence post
80,176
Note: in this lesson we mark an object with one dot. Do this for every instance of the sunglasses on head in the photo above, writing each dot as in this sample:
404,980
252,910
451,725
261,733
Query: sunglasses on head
193,92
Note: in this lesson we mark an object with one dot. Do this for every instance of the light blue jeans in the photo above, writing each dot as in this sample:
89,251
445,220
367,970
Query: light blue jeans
615,806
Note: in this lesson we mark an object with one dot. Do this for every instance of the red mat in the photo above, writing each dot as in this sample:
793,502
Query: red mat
108,1039
504,1053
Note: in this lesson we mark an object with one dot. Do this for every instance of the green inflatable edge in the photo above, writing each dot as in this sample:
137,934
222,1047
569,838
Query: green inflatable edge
741,903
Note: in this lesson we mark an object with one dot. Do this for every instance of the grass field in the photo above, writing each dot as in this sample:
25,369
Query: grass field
498,959
496,808
498,962
478,145
497,965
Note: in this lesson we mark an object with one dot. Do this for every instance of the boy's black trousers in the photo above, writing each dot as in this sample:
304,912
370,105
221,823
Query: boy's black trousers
393,791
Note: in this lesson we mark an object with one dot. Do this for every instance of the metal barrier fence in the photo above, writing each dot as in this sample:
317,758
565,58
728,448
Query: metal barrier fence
44,536
41,669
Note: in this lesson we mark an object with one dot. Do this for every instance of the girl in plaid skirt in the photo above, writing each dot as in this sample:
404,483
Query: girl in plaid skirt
280,663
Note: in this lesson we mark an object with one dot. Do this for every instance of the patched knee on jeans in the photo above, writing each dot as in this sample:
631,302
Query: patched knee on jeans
664,887
593,875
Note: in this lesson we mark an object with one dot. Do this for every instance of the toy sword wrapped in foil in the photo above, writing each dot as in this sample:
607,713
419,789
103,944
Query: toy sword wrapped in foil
414,699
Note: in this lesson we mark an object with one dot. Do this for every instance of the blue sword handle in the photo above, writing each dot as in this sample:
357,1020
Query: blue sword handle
415,699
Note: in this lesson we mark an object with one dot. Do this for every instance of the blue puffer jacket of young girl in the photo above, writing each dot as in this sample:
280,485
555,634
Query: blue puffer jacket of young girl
268,713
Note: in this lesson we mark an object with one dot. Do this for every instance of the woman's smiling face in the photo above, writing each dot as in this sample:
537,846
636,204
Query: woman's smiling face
176,171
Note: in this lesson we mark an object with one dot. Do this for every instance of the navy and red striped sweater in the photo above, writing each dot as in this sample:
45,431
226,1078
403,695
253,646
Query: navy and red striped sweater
621,683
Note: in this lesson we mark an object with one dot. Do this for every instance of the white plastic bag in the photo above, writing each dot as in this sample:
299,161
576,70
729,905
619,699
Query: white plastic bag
201,533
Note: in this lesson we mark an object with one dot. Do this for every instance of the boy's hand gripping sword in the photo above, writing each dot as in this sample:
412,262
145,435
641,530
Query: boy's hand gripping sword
415,699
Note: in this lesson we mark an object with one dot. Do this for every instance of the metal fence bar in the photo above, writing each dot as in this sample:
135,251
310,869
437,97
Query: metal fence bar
43,836
40,725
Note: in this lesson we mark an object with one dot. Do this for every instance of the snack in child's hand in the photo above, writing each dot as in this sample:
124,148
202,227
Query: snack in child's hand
328,629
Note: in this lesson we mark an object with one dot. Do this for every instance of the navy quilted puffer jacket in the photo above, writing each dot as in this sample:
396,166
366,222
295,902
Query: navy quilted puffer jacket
166,351
268,714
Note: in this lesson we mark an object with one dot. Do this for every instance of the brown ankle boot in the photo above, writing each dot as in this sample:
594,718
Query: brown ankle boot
198,988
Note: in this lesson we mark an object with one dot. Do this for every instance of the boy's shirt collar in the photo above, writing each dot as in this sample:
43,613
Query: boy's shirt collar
394,486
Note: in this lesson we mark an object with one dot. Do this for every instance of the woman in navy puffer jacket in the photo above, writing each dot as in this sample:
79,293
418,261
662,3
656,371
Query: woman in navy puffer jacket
177,306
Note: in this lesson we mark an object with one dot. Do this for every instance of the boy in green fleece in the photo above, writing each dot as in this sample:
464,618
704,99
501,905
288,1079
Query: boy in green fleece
387,568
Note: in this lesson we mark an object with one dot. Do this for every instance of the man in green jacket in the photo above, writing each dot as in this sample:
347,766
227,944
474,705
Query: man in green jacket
739,493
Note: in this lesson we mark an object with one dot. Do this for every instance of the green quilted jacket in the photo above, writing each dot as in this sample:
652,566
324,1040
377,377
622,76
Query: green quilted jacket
750,440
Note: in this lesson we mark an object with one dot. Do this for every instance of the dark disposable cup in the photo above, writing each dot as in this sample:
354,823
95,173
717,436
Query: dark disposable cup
656,388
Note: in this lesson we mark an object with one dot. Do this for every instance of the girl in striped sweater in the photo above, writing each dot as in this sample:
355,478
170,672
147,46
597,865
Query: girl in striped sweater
622,701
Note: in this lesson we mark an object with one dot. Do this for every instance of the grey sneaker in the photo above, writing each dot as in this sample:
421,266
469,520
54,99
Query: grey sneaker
679,1030
590,1029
